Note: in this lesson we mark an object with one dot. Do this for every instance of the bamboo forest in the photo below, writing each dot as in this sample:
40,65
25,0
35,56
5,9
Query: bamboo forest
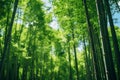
59,39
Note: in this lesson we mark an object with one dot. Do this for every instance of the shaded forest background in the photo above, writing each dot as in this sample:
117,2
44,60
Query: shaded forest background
84,45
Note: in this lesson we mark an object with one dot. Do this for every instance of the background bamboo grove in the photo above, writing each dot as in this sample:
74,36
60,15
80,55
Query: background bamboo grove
59,40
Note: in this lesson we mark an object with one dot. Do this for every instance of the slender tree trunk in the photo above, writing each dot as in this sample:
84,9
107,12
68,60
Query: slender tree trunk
24,74
88,73
69,57
8,76
90,29
74,48
102,62
1,51
105,40
51,68
8,37
114,37
6,31
7,24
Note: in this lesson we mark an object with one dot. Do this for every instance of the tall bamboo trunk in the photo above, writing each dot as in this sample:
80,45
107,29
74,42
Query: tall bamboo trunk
25,70
74,45
69,57
90,29
8,38
114,37
102,62
105,40
88,73
76,62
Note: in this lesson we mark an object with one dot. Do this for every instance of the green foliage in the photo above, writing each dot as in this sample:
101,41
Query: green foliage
38,51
